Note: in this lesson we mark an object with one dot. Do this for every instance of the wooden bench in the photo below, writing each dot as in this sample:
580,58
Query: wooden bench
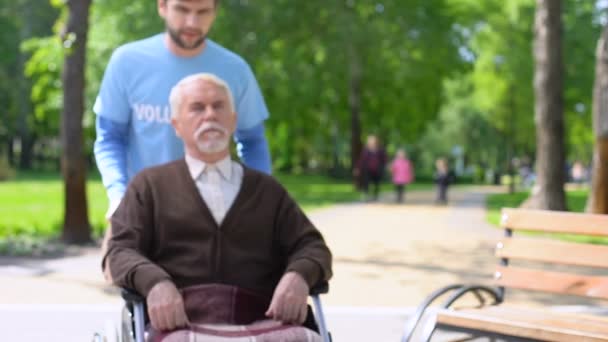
533,324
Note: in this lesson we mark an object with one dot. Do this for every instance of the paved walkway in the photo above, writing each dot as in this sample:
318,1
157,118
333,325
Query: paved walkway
387,258
394,255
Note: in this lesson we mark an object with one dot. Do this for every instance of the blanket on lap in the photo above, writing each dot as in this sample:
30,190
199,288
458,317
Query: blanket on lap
220,312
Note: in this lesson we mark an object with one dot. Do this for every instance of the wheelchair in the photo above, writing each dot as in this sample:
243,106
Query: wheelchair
135,317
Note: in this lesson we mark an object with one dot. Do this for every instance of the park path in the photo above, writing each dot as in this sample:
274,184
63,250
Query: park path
387,258
394,255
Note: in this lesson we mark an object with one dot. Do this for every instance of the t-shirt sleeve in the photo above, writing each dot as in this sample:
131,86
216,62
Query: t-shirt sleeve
250,105
112,101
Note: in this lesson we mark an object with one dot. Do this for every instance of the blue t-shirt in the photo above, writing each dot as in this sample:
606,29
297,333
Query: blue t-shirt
135,92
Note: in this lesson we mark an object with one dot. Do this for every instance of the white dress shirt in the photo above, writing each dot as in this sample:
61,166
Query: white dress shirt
218,183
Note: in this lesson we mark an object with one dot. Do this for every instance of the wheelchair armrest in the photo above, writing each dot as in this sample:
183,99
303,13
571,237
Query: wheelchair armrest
131,296
320,288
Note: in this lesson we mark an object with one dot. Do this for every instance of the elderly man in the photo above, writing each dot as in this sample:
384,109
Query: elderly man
207,219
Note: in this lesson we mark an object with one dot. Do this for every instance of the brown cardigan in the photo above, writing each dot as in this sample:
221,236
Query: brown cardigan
164,230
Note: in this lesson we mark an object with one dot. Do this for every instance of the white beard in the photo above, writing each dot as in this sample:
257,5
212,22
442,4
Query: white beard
217,142
212,146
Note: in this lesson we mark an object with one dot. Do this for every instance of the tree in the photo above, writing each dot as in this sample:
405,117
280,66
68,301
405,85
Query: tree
76,227
598,199
548,107
20,20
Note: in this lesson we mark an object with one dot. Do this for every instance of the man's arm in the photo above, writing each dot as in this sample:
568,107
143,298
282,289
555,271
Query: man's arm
132,241
306,251
252,148
251,109
111,157
308,262
128,248
112,124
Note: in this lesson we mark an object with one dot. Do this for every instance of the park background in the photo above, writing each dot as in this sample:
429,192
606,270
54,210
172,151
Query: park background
440,78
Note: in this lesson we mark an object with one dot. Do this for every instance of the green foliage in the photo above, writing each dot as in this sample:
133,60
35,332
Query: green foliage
8,73
489,109
45,66
412,55
404,49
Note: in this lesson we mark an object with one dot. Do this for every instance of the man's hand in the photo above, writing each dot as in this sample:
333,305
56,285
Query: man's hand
166,307
288,303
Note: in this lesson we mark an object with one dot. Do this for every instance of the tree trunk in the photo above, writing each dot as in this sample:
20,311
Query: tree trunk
76,228
549,116
354,103
598,198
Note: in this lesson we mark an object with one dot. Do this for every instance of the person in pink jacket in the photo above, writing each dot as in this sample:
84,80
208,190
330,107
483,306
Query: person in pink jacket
403,173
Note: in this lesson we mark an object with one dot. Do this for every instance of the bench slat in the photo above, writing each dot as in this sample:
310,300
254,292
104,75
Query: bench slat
554,251
528,323
554,282
555,221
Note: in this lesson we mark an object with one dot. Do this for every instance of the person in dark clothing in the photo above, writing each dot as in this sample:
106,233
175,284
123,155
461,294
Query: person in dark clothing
370,167
443,177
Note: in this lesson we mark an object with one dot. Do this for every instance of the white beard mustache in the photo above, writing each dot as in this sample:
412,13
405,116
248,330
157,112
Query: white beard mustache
213,144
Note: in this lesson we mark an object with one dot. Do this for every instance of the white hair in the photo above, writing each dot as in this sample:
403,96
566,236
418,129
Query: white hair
176,96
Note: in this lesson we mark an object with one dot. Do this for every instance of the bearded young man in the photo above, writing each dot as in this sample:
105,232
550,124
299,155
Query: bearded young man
206,226
133,114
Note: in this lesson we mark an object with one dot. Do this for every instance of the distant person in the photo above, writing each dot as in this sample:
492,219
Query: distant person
578,173
370,167
526,173
443,178
403,173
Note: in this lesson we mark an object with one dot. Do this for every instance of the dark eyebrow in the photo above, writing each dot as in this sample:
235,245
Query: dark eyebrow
197,104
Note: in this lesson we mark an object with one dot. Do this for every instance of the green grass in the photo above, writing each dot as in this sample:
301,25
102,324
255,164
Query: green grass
32,203
314,191
576,200
495,202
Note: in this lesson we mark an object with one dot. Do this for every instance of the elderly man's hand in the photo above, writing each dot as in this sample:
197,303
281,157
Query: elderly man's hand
166,307
288,303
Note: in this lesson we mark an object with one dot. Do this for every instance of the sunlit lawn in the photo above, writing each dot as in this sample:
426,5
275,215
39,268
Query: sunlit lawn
32,204
576,200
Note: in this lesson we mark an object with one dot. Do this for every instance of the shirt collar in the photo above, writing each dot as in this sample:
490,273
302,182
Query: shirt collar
196,167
